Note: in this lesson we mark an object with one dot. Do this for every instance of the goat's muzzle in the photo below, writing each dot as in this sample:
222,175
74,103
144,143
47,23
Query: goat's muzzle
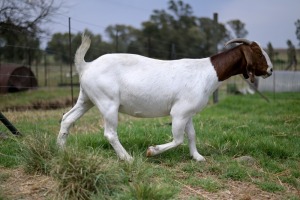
269,73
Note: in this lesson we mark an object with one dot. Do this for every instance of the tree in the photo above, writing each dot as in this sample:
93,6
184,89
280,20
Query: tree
177,27
157,34
214,34
180,9
297,24
59,46
291,53
238,28
27,15
20,25
123,36
270,51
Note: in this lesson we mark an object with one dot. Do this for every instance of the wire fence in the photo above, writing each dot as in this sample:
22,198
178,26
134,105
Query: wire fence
57,86
53,74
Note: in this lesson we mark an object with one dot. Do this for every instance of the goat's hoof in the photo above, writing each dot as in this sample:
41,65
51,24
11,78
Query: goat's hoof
198,158
126,157
60,144
151,151
129,159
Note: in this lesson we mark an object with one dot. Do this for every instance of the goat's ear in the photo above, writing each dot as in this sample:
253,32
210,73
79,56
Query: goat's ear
252,76
247,51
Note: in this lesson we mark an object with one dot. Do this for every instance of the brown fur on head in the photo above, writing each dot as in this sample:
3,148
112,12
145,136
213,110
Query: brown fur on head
257,63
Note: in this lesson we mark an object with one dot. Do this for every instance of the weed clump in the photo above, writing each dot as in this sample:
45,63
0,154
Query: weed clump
80,175
88,174
37,152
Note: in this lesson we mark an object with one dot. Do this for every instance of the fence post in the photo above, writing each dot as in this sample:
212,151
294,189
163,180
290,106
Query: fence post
36,70
173,52
45,70
61,73
71,60
117,40
216,92
149,46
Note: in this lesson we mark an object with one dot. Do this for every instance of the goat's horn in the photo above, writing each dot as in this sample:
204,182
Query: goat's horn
238,40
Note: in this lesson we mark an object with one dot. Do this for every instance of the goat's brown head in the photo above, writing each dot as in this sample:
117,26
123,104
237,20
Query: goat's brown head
258,61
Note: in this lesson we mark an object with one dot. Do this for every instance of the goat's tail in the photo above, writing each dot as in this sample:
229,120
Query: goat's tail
80,53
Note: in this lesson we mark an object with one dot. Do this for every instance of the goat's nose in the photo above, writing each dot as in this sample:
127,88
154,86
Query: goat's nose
270,71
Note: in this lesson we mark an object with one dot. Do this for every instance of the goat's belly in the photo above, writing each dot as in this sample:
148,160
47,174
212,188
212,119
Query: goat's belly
142,113
145,108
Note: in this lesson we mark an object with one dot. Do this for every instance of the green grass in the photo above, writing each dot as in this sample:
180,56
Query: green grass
9,152
237,126
209,184
270,186
36,153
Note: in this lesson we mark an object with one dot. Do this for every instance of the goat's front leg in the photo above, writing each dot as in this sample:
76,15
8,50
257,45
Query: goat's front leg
178,126
189,129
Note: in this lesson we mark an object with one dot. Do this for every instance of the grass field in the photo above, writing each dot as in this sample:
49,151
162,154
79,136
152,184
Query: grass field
252,149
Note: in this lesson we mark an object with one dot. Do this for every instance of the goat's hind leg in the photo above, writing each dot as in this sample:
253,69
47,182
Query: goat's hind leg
82,105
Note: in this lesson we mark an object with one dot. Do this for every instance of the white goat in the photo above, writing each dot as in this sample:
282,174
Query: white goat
145,87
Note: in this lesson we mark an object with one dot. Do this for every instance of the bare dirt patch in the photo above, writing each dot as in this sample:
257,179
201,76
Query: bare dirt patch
19,185
16,184
236,190
41,105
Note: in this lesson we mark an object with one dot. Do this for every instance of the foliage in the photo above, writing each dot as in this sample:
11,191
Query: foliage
59,45
238,28
297,24
20,23
192,36
27,15
123,38
168,34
